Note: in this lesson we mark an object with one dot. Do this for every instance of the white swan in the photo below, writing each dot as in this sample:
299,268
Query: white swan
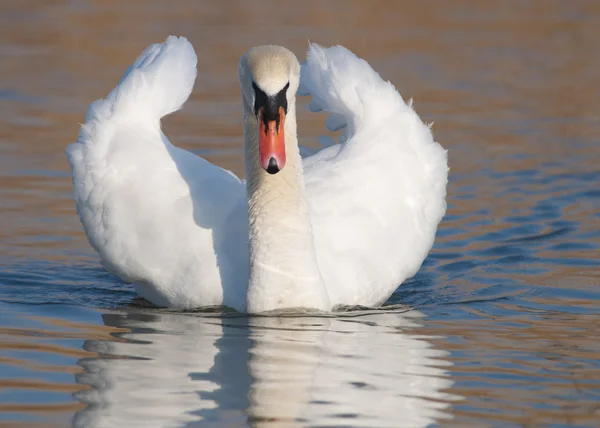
346,225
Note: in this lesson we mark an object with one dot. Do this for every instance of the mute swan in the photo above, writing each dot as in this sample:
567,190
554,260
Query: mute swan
344,226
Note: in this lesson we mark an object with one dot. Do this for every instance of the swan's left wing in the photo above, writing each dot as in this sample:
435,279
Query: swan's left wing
377,197
159,216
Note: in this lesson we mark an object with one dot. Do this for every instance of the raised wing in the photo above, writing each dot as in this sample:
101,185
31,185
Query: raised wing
377,197
159,216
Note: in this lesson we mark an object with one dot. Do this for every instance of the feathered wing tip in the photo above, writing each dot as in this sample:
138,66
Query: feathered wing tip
342,84
156,84
160,80
356,96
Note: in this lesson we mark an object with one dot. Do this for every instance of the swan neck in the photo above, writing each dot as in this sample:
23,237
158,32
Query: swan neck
283,264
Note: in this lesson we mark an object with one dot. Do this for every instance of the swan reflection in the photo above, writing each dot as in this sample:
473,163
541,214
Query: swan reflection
174,369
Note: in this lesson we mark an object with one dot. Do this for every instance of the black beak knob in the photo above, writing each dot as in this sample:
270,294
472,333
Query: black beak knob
273,168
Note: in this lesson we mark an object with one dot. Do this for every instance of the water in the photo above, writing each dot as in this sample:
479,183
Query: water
499,327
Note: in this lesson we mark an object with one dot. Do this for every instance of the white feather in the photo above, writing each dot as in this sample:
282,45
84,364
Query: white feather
159,216
376,201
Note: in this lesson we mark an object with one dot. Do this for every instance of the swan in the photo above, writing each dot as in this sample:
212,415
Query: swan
343,226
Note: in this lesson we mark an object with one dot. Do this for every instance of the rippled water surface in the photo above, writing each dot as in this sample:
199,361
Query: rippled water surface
499,327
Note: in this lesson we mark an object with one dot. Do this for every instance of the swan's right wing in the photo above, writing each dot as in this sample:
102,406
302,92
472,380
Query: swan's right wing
159,216
377,197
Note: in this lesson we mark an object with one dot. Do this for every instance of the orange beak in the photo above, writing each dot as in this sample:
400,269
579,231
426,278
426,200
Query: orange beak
271,142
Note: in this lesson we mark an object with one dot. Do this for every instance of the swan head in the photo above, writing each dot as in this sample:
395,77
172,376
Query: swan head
269,78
